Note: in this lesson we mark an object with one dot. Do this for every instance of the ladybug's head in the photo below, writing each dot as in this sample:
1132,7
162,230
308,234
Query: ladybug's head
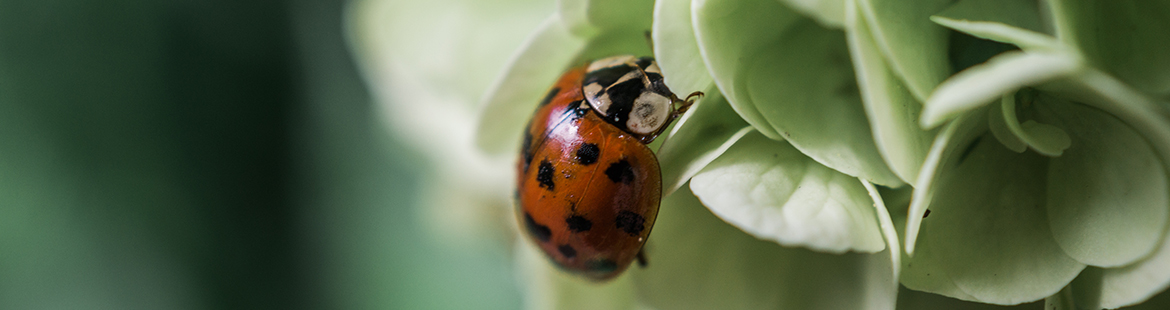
629,93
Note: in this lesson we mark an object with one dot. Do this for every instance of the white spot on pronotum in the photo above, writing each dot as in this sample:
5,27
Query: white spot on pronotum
597,98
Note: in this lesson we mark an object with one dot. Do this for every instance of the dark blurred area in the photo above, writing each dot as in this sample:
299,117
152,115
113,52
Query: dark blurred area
201,155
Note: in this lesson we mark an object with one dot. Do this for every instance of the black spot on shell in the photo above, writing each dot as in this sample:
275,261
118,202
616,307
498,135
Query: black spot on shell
567,250
620,172
630,222
587,154
924,215
552,93
541,232
601,265
579,224
545,174
606,76
526,149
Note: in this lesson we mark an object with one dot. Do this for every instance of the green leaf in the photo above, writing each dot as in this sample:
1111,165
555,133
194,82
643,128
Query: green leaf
1110,186
915,48
531,72
829,13
547,287
979,85
798,81
1125,38
676,49
987,228
697,261
773,192
1043,138
892,111
1007,21
700,136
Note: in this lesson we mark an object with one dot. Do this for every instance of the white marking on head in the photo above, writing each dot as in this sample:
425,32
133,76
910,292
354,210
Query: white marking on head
649,113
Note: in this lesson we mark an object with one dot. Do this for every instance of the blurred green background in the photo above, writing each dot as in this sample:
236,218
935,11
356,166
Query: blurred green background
210,155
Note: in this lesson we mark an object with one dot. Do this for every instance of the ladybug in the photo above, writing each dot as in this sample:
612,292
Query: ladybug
588,186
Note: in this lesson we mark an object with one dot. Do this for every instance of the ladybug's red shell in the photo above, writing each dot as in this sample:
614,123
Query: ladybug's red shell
587,191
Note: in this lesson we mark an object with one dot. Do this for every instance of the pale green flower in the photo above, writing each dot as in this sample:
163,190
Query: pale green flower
1035,132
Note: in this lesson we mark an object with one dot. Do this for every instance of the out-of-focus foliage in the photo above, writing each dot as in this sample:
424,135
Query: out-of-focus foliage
212,155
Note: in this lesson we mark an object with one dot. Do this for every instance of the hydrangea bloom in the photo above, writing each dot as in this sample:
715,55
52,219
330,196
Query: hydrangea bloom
991,151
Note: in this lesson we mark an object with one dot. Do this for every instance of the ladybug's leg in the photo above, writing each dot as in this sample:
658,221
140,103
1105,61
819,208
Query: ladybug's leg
641,258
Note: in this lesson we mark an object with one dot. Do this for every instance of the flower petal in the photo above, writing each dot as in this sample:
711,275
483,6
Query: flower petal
892,111
1125,38
676,49
534,68
915,47
980,85
697,261
1110,187
728,31
1135,283
829,13
793,83
988,228
700,136
773,192
1043,138
1007,21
